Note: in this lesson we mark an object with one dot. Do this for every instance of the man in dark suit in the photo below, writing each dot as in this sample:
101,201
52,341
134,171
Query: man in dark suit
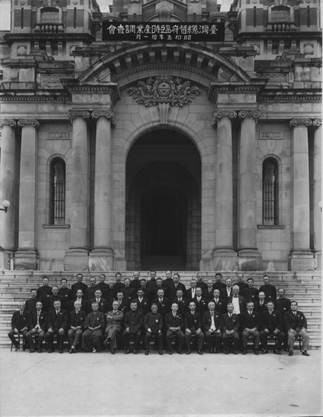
167,284
19,327
153,324
123,305
200,283
76,325
175,285
30,303
219,305
227,292
200,302
193,328
159,286
151,286
37,326
212,327
135,283
219,284
143,286
243,286
93,330
191,292
238,301
209,291
162,302
261,303
251,293
79,285
133,323
44,293
282,303
271,325
129,292
53,297
118,284
230,329
98,298
142,302
57,326
113,318
91,288
181,302
296,324
174,329
250,323
65,295
268,289
105,289
80,299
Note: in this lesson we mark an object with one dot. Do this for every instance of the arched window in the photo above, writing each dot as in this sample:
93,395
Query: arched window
57,192
270,192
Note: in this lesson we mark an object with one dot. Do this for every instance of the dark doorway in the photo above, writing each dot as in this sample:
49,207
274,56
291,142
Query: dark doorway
163,207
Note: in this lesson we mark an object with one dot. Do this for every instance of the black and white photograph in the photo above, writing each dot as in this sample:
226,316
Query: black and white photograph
161,208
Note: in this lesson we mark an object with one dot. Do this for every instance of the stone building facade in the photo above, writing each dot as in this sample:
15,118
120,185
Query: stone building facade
138,155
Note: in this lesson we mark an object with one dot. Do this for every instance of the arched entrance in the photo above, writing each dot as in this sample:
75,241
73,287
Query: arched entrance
163,202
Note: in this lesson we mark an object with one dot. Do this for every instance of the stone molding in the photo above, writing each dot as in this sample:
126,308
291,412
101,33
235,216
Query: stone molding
28,122
164,89
249,114
317,122
220,114
78,113
108,114
300,122
8,122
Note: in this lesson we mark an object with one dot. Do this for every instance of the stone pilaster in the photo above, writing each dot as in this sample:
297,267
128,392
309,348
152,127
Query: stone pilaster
224,257
26,255
317,194
249,256
76,257
301,257
101,257
7,190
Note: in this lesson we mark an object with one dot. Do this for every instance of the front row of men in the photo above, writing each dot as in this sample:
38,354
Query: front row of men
228,331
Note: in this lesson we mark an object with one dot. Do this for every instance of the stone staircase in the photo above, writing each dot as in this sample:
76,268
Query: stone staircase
305,287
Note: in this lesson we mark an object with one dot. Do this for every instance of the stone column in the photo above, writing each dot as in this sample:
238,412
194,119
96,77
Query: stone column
224,257
76,258
26,255
249,257
301,256
101,257
317,192
7,190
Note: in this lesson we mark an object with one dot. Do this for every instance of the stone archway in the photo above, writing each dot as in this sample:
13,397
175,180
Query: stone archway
163,202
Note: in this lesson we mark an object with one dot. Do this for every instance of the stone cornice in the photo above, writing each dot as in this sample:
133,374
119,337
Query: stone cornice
300,122
290,96
8,122
79,113
59,98
234,88
28,122
249,114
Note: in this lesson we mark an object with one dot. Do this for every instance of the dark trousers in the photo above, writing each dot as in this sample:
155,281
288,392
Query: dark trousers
133,337
158,337
279,336
246,333
230,339
49,337
91,339
199,340
74,336
15,337
176,335
35,338
111,333
213,339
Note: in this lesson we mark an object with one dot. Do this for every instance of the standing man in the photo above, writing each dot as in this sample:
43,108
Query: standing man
30,303
162,303
296,324
113,320
19,327
200,283
210,289
123,305
44,293
153,324
174,324
142,302
175,285
261,303
249,321
252,292
133,323
76,325
135,283
104,288
101,302
93,330
57,326
227,292
79,285
80,299
37,325
212,327
200,302
193,328
271,325
128,291
268,289
151,286
243,286
118,284
91,288
180,300
65,295
191,292
238,301
283,303
219,284
230,329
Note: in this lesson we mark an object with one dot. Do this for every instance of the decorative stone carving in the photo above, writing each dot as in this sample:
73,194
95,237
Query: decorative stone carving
8,122
173,90
28,122
317,122
75,113
250,114
108,114
220,114
300,122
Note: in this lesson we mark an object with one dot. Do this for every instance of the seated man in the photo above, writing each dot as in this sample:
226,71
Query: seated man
261,303
193,328
174,324
296,324
153,324
57,326
212,327
37,325
113,319
133,322
219,305
271,324
237,300
200,302
230,329
81,300
19,327
162,302
77,320
249,321
142,302
93,329
98,298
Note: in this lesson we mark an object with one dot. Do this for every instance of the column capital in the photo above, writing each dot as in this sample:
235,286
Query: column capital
300,122
8,122
317,122
78,113
28,122
220,114
108,114
249,114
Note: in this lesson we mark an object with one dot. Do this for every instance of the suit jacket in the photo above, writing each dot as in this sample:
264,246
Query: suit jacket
94,319
90,292
163,306
85,306
133,320
151,288
30,305
114,318
225,294
172,290
251,294
220,306
129,294
19,321
77,319
103,305
230,323
219,285
249,321
124,306
190,294
271,321
171,321
260,308
65,295
297,321
203,286
135,284
117,287
242,303
192,321
43,294
243,288
32,320
79,286
282,305
207,321
153,321
182,306
143,306
57,321
270,292
105,288
201,306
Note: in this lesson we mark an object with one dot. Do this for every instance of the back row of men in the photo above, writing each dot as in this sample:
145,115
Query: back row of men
251,313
